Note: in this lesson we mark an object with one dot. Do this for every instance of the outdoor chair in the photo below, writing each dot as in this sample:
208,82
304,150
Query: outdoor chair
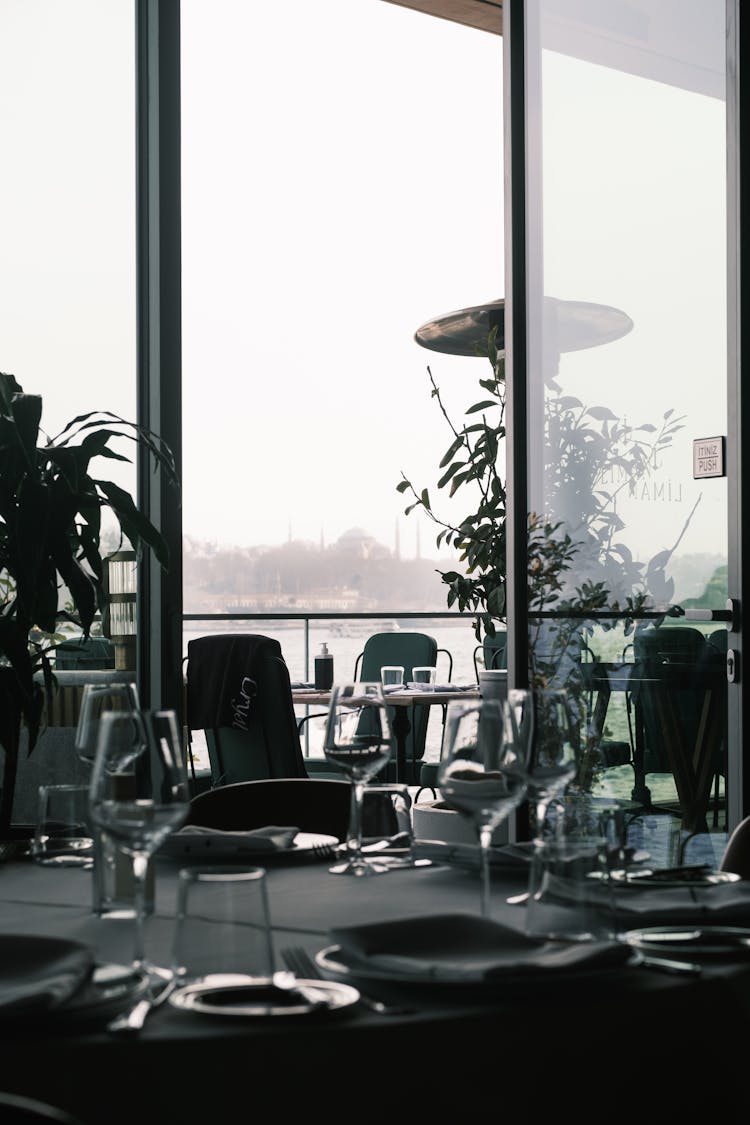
408,650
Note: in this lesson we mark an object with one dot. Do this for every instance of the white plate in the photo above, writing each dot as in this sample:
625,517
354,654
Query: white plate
262,999
732,942
236,845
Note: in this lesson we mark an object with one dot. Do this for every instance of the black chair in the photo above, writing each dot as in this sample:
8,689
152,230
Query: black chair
238,691
736,856
679,700
310,804
16,1109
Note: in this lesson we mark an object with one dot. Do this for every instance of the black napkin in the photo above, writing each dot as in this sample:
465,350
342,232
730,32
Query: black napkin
40,974
270,838
465,947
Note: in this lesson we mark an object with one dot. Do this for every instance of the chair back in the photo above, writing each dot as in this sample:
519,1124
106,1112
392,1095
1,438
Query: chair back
494,652
239,692
680,697
408,649
736,855
17,1109
310,804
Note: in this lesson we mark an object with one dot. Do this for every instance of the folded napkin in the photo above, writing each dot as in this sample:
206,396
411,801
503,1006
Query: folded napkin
465,947
725,904
270,838
40,974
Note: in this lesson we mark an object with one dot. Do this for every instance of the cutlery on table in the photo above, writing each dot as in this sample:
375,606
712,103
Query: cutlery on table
131,1022
665,965
302,965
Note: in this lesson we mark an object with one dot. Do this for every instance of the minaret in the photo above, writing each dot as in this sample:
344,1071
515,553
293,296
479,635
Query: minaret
397,548
322,541
419,545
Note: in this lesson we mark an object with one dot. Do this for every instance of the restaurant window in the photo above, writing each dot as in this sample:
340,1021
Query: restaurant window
341,186
627,395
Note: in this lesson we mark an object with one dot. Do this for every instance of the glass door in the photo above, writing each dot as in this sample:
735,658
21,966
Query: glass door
626,402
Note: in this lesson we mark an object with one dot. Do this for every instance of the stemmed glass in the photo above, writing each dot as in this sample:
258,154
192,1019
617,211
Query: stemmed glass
358,739
96,699
549,722
482,772
138,795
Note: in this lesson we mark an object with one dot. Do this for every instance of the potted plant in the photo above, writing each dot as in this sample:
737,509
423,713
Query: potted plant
51,565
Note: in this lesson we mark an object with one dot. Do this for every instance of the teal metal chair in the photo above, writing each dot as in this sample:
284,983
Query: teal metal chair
409,650
494,652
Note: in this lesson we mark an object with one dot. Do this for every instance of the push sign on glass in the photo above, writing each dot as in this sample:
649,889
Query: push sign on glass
708,457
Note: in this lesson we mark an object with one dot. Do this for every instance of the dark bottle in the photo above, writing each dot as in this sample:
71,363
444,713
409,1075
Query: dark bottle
324,669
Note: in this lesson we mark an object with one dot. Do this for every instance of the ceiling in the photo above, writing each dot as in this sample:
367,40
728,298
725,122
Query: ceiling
485,15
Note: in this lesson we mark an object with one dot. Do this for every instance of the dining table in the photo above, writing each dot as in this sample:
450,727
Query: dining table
403,700
624,1043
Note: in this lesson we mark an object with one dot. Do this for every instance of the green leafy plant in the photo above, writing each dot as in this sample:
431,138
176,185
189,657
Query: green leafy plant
576,564
51,508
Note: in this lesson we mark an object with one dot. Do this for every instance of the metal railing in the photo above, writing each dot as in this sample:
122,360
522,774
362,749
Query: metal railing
306,617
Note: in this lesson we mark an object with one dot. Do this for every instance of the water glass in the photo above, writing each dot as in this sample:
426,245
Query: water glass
391,675
424,677
63,836
571,896
223,926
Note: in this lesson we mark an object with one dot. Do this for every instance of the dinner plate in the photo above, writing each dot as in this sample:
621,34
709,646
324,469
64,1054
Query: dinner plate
687,877
238,845
730,942
263,999
332,960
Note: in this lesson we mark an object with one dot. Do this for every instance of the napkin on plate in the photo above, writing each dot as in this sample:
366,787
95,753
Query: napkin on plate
271,837
464,947
40,974
726,904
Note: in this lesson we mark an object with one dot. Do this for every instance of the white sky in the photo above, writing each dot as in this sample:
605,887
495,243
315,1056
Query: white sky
342,184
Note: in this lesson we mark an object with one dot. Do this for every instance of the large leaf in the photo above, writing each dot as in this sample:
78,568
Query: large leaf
134,523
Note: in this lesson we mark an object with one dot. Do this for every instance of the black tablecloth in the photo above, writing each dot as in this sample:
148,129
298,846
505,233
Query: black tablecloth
648,1043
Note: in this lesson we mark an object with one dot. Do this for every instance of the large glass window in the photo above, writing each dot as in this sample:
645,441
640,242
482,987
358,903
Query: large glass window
627,390
342,186
67,207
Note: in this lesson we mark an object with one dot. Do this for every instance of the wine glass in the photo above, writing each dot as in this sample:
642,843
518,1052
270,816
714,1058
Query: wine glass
96,699
549,721
358,739
482,772
138,795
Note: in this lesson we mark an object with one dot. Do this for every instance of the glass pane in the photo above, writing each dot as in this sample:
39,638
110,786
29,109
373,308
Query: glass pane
342,186
67,228
628,374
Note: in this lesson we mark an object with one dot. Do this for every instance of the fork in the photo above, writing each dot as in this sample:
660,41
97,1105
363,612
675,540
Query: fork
299,961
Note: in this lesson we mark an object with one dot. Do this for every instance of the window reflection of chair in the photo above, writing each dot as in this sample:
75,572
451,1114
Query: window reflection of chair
679,700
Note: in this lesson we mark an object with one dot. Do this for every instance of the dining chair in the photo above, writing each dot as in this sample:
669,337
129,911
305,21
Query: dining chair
679,702
16,1109
736,855
409,650
237,690
310,804
494,652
